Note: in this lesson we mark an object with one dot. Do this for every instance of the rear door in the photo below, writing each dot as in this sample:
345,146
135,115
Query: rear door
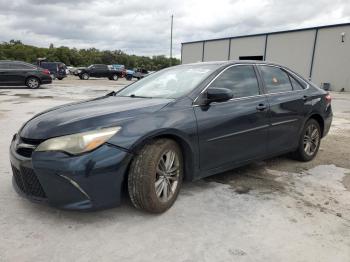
236,130
286,108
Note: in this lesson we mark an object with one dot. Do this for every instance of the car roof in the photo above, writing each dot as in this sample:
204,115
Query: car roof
13,61
232,62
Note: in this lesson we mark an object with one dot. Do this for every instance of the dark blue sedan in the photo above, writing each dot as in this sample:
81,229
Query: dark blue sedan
184,122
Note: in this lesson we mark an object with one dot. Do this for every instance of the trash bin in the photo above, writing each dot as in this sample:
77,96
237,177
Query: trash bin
326,86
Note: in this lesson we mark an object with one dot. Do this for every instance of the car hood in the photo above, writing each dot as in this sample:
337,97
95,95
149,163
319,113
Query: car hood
88,115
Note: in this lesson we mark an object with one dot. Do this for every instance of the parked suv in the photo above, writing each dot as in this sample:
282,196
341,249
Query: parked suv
17,73
57,69
99,70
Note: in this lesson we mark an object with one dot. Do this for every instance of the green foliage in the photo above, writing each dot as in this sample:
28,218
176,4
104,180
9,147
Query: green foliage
16,50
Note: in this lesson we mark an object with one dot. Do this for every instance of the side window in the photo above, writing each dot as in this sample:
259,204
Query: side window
13,66
275,79
240,79
296,84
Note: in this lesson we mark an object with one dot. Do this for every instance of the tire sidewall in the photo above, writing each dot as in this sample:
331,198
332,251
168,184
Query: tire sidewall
144,194
169,146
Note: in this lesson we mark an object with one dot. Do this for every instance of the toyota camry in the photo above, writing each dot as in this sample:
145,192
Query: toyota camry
181,123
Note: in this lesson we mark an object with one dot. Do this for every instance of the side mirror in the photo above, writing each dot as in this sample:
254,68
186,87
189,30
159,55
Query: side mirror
215,94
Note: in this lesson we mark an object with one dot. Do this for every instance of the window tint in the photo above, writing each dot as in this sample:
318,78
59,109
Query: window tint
275,79
100,67
296,84
240,79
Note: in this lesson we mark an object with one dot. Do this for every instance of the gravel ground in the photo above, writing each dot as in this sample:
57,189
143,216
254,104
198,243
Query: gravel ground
274,210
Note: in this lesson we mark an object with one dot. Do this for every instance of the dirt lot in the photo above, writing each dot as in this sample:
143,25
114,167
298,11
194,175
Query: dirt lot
274,210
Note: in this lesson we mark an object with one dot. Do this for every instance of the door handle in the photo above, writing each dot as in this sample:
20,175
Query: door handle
305,97
261,107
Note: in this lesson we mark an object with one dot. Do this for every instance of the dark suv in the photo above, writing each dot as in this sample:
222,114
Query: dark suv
17,73
57,69
99,70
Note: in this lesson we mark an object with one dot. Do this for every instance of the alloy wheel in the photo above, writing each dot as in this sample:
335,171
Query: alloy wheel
311,140
33,83
167,176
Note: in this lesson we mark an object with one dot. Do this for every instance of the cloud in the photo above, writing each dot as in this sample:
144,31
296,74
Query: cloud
142,27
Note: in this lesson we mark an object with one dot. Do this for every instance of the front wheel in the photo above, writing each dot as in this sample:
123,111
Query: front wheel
114,77
33,83
85,76
155,176
309,142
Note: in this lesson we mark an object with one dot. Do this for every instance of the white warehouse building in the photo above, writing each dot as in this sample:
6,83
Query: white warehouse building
321,54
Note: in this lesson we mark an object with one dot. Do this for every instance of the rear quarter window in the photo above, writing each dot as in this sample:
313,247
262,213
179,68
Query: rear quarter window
297,84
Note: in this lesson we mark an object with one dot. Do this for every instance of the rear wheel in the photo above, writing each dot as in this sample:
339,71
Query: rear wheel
59,78
309,142
155,176
33,83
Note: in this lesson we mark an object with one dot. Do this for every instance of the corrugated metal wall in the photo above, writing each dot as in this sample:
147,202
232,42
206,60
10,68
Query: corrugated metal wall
321,52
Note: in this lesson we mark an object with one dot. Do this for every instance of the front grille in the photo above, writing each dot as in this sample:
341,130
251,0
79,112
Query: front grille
28,182
24,151
26,146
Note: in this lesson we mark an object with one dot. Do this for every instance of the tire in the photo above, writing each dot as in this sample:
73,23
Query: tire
114,77
33,83
85,76
148,181
309,141
60,78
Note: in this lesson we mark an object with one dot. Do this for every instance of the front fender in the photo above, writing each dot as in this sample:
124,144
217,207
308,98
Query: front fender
176,123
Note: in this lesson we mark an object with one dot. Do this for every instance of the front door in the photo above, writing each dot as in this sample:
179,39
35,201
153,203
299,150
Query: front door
234,131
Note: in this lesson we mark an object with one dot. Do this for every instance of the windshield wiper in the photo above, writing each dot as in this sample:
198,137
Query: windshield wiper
111,93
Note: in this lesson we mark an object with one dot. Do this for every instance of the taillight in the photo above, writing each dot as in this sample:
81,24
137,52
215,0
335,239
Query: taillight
46,72
328,98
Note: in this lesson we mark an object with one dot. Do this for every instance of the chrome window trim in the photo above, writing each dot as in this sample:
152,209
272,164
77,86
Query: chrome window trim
263,94
207,86
19,69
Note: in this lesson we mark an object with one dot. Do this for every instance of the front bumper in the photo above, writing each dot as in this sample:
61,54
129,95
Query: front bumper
86,182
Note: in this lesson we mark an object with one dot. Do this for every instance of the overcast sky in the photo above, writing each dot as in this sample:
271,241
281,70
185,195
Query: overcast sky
142,27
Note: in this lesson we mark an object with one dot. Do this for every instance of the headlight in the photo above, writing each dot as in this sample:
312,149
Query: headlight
79,71
78,143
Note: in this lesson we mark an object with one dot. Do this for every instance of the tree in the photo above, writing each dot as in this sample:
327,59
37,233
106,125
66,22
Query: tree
16,50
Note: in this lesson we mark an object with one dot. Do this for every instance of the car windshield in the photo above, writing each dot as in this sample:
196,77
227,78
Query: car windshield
172,82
